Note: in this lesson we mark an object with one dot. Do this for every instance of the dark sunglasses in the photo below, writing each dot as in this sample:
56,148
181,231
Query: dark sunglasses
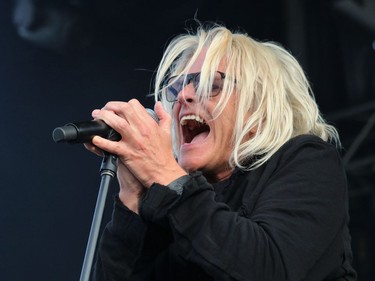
175,86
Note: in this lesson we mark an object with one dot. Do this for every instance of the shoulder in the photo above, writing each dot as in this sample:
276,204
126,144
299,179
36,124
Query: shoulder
304,154
309,146
306,140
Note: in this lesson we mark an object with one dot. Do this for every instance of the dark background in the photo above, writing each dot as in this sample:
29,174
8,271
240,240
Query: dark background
59,60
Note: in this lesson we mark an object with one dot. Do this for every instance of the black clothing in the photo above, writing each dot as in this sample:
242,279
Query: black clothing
286,220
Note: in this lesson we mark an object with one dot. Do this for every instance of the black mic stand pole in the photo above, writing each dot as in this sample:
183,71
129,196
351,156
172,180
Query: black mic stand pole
107,172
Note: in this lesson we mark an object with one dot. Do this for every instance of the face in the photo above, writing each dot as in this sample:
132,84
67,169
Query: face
204,142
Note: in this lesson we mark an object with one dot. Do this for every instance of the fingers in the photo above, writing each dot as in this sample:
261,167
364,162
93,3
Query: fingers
132,112
114,120
94,149
113,147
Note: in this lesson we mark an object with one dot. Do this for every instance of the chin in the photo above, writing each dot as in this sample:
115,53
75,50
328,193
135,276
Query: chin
190,164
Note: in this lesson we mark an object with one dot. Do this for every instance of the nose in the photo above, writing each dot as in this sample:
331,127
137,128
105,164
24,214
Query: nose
187,94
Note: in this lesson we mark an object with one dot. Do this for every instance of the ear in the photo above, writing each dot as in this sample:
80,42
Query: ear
254,129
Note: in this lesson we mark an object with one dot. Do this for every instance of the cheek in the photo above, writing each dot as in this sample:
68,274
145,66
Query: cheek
224,130
175,111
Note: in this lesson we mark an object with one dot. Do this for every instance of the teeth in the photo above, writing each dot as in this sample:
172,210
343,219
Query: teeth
186,118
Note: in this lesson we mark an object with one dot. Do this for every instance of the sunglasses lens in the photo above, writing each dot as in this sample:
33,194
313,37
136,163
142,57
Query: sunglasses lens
217,84
174,86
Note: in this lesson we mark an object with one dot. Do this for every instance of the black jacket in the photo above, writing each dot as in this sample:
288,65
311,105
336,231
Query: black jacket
286,220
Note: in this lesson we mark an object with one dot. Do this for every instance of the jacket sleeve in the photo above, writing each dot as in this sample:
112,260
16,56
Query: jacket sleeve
294,213
128,247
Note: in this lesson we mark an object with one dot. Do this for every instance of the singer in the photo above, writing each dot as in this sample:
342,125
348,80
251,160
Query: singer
240,180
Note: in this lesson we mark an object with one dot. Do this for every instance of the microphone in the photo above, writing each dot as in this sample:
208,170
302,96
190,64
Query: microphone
81,132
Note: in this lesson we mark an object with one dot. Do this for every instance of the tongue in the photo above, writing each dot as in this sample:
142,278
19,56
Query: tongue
200,137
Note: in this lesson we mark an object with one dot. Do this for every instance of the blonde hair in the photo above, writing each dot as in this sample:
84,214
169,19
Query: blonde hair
273,93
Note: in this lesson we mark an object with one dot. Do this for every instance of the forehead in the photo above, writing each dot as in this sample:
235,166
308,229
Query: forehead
198,63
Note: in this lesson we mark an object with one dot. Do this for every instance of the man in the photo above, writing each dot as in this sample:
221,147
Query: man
238,181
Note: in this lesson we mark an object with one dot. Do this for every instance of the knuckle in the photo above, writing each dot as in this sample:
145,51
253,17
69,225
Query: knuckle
117,148
133,101
108,105
122,126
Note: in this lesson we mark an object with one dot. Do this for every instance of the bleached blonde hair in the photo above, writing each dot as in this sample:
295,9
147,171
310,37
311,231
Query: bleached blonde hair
273,93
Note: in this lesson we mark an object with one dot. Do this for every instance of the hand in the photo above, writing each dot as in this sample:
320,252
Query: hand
146,147
130,187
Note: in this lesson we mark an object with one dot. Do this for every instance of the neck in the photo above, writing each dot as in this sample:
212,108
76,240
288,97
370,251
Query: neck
217,177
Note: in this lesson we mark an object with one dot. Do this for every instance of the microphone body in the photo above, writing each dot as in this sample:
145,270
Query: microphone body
81,132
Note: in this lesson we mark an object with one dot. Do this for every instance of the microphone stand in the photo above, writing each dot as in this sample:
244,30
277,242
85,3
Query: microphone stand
107,172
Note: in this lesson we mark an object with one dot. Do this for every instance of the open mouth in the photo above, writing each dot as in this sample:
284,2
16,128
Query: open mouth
194,128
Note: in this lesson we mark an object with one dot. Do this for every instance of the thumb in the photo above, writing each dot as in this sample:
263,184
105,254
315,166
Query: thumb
165,120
